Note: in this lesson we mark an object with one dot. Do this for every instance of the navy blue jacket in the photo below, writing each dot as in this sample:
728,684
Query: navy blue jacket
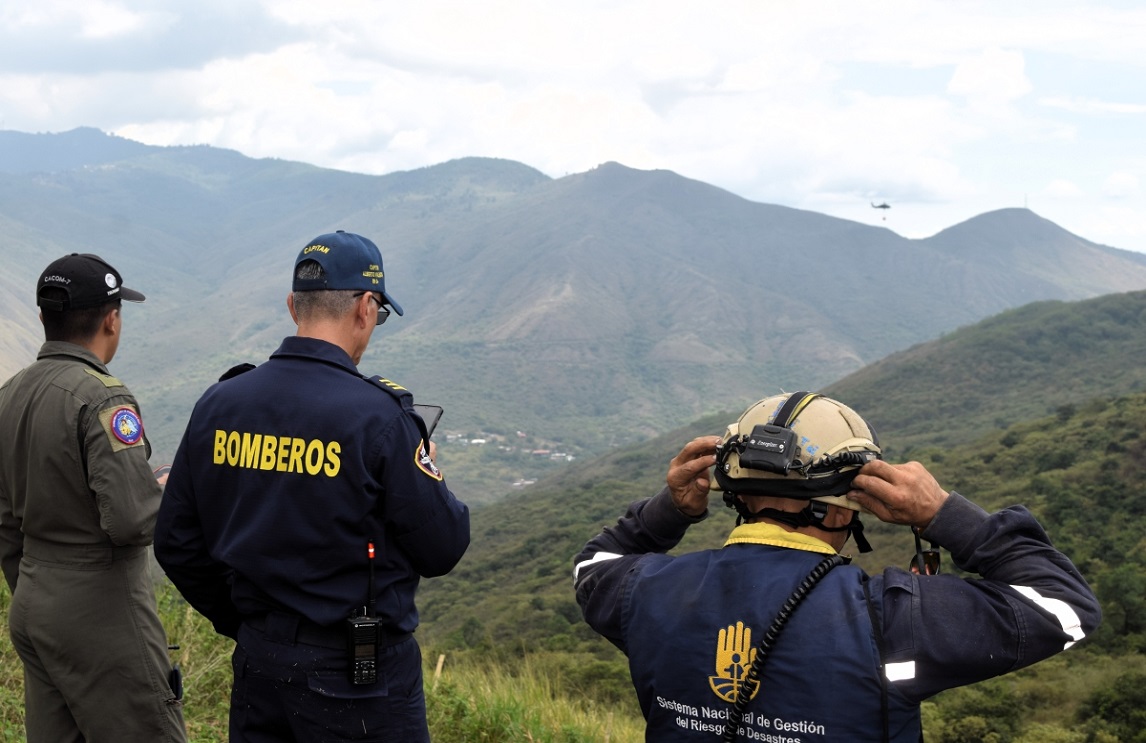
690,625
284,475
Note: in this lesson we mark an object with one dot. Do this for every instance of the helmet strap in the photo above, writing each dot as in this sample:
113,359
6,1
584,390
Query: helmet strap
742,512
812,514
856,530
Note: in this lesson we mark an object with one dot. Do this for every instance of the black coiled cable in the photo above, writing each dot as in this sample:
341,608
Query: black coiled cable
752,678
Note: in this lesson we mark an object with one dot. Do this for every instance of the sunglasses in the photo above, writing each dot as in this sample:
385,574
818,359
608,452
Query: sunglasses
383,310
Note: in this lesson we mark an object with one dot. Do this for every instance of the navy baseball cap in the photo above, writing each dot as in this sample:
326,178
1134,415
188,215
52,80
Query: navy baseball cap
88,281
351,262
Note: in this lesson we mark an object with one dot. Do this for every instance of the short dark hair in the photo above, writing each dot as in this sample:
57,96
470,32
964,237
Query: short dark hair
73,326
330,304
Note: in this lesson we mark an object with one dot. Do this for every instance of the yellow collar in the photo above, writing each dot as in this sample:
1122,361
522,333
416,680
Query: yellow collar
771,534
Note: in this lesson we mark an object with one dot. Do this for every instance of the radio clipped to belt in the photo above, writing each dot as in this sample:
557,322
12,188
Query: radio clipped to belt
364,634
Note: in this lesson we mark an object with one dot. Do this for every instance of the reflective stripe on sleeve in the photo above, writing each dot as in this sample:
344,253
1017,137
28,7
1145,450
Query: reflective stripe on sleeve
599,557
1059,609
904,671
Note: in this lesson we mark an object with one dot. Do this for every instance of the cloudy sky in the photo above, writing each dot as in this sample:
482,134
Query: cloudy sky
944,110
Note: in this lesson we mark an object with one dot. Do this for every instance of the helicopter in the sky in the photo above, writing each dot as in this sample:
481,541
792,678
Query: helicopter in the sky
884,206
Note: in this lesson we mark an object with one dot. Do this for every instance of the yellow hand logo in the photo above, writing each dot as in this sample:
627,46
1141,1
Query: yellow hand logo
734,654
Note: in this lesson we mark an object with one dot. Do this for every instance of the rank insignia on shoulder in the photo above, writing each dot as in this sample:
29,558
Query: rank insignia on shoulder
425,464
123,426
107,379
392,385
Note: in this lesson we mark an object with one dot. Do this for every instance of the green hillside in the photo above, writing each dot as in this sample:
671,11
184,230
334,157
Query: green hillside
1082,471
1023,363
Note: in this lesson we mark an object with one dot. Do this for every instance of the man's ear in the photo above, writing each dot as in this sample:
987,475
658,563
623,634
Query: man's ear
290,307
839,516
109,321
364,310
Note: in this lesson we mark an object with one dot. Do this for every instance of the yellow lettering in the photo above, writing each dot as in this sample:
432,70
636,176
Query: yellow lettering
314,457
266,451
297,446
333,463
283,453
220,446
313,248
250,455
270,443
233,445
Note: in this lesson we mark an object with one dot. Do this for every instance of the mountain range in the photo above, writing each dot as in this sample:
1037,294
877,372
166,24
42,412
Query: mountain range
594,309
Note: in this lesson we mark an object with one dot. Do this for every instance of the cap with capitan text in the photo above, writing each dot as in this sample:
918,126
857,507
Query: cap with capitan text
86,280
349,262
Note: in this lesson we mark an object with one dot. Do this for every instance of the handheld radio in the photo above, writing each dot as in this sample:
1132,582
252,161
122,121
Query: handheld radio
363,635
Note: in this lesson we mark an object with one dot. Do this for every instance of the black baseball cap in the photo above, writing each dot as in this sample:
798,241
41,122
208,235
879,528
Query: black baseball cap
88,280
351,262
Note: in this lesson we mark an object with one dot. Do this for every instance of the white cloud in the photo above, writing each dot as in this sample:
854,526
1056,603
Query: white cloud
1062,189
85,39
1092,106
1121,186
992,78
82,20
1117,226
108,21
943,108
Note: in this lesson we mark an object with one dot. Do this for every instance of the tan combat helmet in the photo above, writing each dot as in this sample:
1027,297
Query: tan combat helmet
802,446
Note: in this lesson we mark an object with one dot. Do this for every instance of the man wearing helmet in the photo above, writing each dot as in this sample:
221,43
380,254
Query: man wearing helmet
774,637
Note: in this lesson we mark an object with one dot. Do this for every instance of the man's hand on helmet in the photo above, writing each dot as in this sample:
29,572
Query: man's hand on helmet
688,475
898,493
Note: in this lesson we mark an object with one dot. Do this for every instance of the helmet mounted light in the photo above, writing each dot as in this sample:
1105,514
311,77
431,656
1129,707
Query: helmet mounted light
801,446
768,448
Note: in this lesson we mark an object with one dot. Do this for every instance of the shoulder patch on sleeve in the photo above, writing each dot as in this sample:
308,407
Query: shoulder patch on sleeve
107,379
123,427
425,464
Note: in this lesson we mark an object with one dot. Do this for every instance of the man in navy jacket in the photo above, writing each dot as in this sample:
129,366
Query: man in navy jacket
775,637
302,508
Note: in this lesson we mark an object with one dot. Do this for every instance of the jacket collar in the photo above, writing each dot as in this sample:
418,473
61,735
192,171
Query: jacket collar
315,348
775,536
56,349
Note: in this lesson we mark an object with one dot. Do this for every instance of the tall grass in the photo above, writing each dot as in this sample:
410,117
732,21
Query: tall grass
11,678
468,701
479,701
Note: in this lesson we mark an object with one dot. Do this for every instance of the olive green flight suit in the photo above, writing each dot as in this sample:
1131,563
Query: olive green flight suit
77,512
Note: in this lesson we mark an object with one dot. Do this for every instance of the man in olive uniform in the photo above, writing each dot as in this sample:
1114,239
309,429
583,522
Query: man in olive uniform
77,512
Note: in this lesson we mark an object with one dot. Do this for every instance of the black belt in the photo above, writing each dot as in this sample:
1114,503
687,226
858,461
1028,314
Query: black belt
289,628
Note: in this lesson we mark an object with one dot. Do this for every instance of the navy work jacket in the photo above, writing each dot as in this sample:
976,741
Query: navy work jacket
285,474
691,625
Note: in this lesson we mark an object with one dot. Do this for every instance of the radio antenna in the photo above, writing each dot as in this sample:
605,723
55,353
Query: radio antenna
370,591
